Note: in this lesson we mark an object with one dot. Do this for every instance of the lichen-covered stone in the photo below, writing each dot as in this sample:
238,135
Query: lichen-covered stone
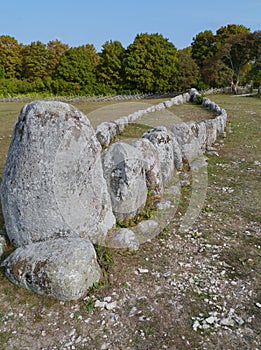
63,268
199,130
187,141
122,238
105,132
152,166
3,244
162,139
194,94
177,154
211,131
53,183
124,171
146,230
221,123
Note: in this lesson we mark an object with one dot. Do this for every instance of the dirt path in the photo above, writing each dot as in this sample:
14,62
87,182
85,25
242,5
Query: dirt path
193,290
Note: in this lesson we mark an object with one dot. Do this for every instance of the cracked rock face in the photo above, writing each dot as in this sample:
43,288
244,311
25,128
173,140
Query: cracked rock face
124,171
53,183
152,166
191,138
64,269
162,139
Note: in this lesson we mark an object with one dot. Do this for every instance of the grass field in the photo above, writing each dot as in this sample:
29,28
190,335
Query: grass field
201,289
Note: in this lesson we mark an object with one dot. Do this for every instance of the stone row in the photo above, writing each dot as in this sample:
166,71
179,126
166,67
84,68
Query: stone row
61,195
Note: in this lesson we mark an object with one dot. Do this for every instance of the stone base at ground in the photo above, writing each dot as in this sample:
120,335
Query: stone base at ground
63,268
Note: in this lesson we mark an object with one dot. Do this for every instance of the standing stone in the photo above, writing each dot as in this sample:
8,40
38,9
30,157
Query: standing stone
194,94
187,140
221,123
211,131
64,268
177,154
162,139
152,166
105,132
3,244
124,171
53,183
199,130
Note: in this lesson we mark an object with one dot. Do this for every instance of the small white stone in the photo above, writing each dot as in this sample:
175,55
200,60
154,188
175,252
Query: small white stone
72,332
227,322
99,303
107,299
111,306
258,305
78,340
196,325
211,319
140,270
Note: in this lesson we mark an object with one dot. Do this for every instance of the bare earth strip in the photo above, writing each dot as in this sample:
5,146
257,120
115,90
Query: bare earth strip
193,290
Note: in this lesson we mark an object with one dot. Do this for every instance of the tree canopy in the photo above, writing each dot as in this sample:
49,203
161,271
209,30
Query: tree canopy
151,63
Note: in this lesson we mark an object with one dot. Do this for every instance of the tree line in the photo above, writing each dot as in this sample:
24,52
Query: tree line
231,56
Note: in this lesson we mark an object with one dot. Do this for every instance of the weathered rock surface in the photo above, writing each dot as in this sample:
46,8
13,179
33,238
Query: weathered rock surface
211,131
187,140
194,94
63,268
146,230
105,132
152,166
53,183
3,244
199,130
221,123
177,154
162,139
124,171
122,238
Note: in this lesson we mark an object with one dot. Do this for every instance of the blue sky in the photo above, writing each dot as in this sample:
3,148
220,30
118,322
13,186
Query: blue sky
78,22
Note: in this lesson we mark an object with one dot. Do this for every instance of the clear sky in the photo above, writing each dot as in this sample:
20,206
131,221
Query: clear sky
78,22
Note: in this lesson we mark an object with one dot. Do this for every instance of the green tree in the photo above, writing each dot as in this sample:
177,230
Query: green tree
187,74
10,56
110,69
34,61
78,65
225,32
2,72
203,47
254,73
215,73
150,63
237,52
55,49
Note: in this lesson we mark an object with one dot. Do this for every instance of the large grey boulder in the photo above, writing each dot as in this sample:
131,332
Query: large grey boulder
53,183
194,94
177,154
211,131
187,140
62,268
162,139
3,243
221,123
152,166
106,131
124,171
199,130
